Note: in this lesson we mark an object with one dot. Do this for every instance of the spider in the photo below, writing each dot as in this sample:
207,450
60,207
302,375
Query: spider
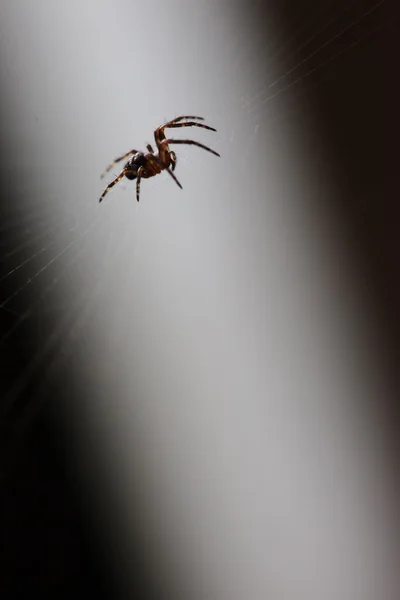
144,165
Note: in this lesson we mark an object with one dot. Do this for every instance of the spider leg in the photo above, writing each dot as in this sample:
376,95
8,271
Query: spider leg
139,176
191,143
110,185
174,177
185,117
110,166
174,159
159,134
162,165
150,148
187,124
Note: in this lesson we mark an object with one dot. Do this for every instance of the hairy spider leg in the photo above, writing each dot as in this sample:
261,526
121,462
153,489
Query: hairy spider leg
140,174
172,125
174,159
159,134
117,160
150,148
185,117
110,185
174,177
190,142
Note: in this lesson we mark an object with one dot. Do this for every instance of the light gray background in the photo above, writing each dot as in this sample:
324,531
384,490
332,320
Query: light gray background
226,356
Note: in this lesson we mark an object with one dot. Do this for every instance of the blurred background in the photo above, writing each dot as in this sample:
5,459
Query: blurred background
199,391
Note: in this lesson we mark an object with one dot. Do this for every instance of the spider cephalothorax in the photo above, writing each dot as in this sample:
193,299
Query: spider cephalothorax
145,165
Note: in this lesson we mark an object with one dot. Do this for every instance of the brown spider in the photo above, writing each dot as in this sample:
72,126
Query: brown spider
145,165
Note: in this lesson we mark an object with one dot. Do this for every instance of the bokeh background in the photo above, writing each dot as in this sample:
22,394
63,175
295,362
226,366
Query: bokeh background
199,391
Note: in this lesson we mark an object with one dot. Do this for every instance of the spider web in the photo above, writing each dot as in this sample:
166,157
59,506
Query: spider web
321,38
312,55
33,272
42,250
